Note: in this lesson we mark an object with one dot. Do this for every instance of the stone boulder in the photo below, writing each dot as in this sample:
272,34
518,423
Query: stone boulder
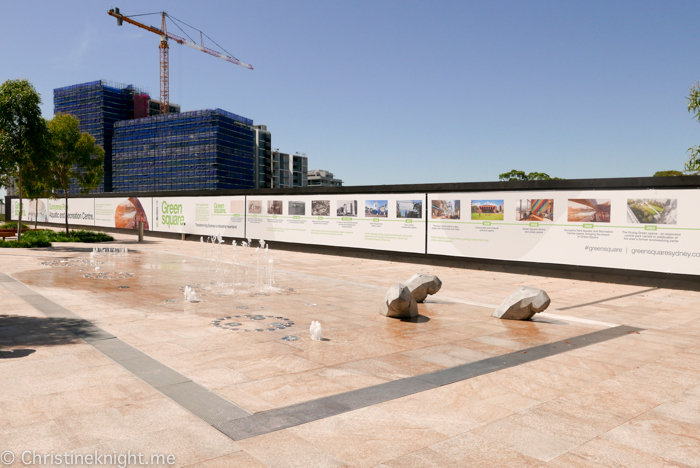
399,303
522,304
421,285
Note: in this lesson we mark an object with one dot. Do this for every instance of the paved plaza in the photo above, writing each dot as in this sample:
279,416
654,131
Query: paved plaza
103,354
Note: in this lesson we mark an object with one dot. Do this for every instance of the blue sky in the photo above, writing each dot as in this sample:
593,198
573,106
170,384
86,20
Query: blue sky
387,92
486,202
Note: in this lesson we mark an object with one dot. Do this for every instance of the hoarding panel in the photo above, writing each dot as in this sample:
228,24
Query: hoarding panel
392,222
32,210
81,211
654,230
124,212
200,215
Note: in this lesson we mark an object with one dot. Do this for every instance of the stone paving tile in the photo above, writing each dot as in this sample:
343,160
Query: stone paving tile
599,453
631,401
467,449
667,438
368,436
238,460
284,449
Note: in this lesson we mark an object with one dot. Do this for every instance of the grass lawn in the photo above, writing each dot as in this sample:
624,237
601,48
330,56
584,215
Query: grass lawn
649,210
488,216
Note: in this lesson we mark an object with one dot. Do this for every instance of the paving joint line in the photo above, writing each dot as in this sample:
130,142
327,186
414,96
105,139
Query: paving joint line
238,424
609,299
201,402
301,413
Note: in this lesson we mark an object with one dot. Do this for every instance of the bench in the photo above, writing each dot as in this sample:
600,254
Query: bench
7,233
4,233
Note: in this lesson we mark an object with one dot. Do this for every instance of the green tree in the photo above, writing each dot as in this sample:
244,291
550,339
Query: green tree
77,158
24,138
37,182
520,175
692,166
667,173
512,175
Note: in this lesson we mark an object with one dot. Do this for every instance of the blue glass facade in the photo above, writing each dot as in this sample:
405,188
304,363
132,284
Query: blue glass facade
198,150
98,105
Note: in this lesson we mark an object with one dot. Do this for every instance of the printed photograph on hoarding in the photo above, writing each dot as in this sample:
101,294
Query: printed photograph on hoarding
296,208
445,209
37,211
539,209
346,208
237,206
320,208
254,207
274,207
128,214
487,210
588,210
409,209
376,208
652,210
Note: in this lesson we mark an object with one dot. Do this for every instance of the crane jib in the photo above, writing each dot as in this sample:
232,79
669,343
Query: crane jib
164,61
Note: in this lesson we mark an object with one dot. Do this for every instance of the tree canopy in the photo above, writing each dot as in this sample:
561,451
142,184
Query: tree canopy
693,164
24,141
521,175
667,173
77,158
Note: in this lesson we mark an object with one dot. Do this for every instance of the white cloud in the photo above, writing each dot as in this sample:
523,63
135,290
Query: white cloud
487,202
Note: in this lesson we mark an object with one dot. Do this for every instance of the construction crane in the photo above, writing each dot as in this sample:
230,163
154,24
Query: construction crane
164,48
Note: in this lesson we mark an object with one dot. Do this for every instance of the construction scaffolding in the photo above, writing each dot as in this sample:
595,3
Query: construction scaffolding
99,105
198,150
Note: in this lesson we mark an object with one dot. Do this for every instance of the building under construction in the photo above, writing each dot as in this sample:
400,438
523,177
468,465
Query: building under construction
198,150
99,105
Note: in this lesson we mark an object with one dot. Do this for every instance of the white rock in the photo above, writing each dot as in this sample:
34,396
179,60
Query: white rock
421,285
399,302
522,304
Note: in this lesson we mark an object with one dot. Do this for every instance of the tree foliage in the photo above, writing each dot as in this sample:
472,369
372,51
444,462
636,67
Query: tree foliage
24,142
667,173
521,175
692,166
77,157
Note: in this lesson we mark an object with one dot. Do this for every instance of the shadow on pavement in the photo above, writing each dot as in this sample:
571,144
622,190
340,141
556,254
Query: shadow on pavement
16,353
41,331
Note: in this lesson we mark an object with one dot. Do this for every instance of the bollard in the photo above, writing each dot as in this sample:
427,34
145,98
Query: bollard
140,231
183,236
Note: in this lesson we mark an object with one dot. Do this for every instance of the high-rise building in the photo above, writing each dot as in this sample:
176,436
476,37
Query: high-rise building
200,150
197,150
99,105
319,177
263,157
300,170
289,170
154,108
